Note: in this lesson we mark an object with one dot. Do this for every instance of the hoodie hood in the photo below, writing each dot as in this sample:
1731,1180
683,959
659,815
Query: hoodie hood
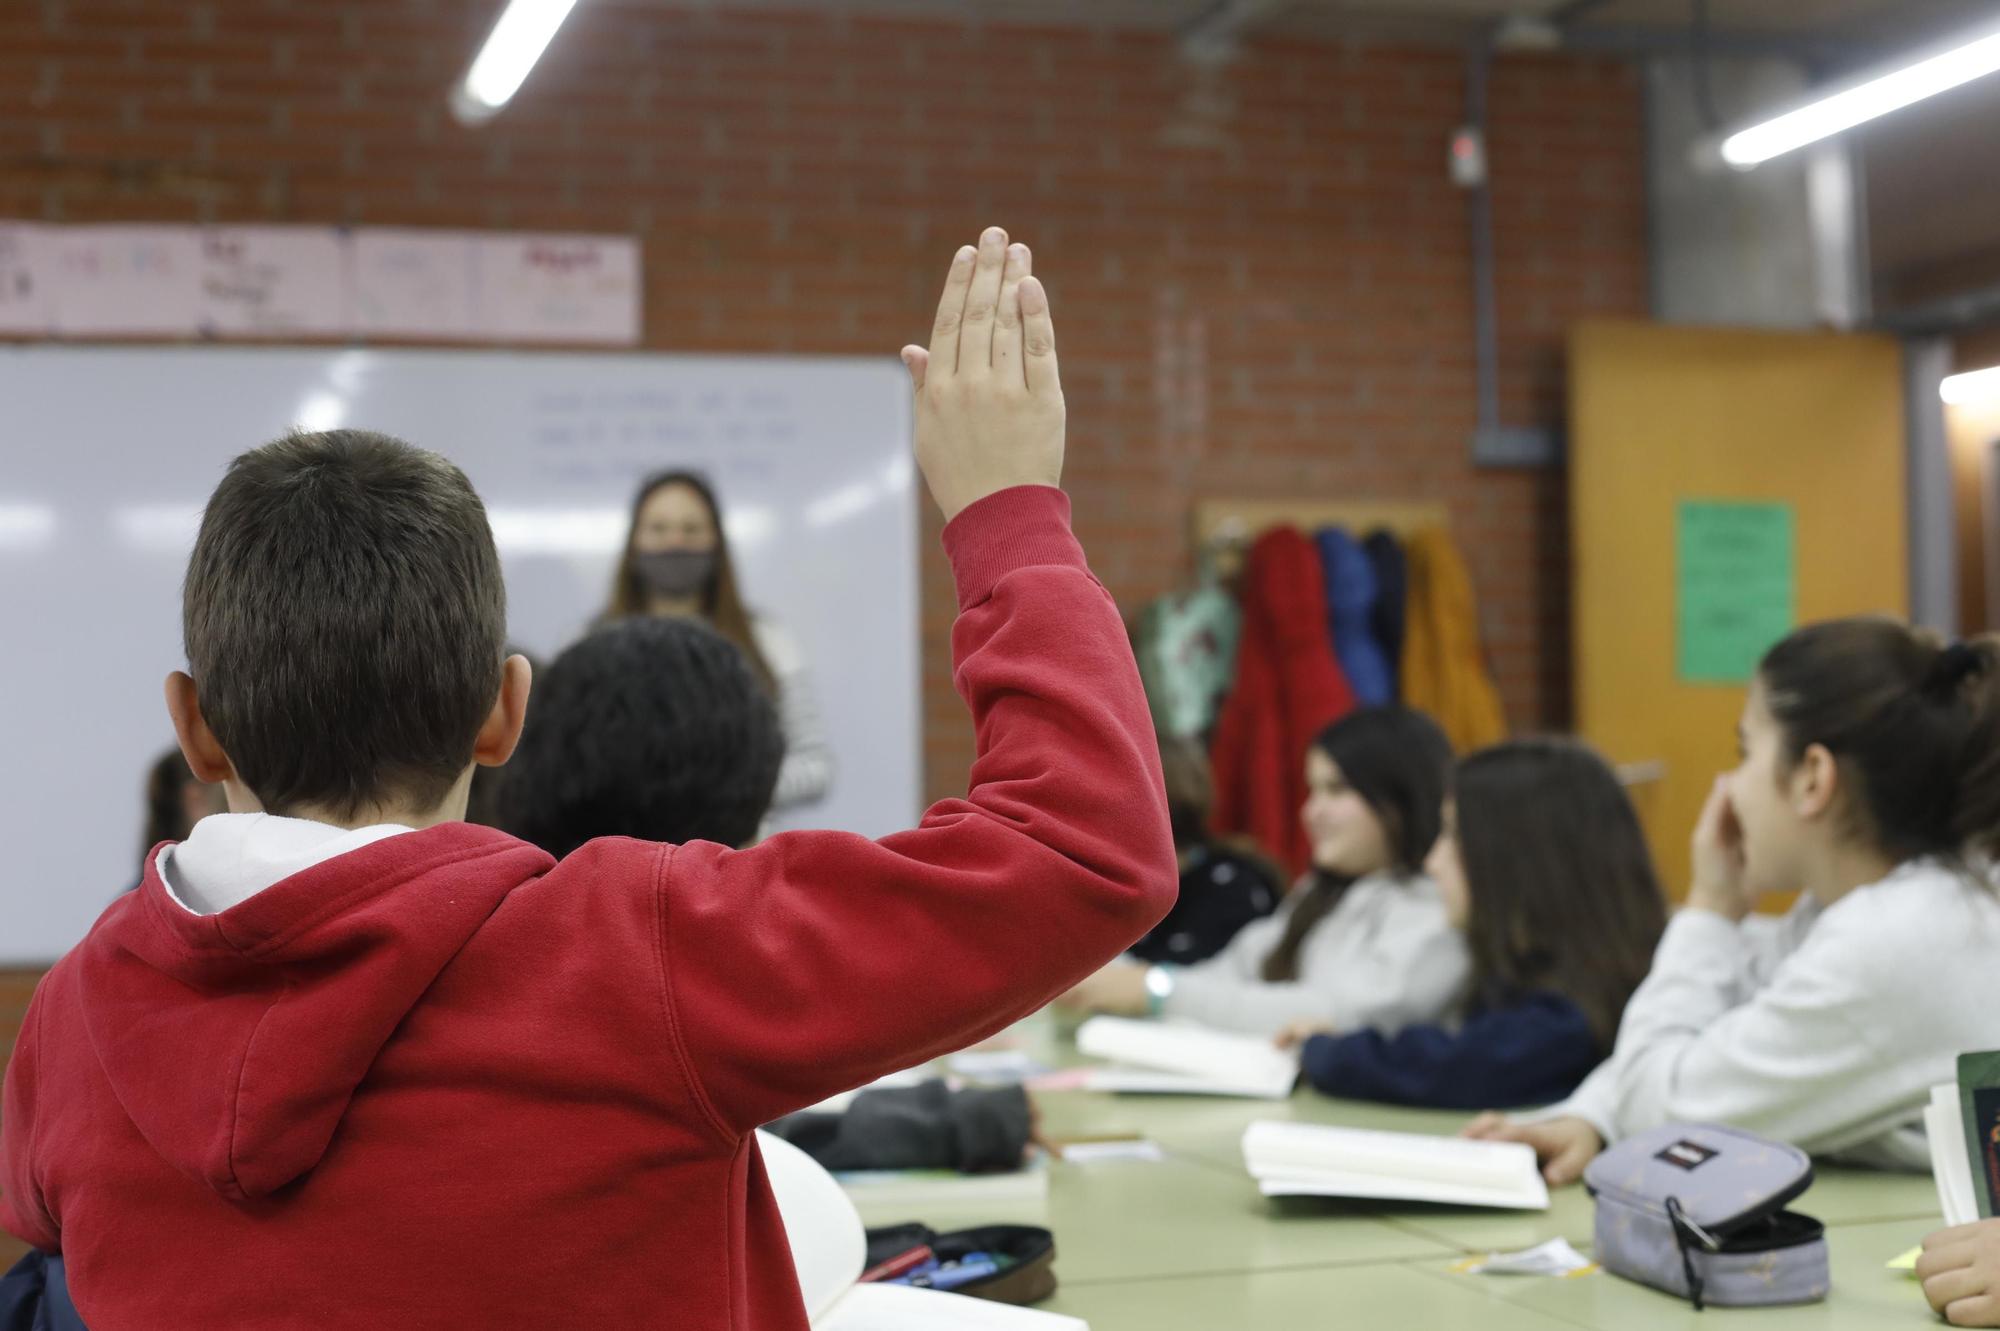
235,1041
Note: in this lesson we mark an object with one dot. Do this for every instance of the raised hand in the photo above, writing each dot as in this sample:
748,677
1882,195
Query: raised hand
989,403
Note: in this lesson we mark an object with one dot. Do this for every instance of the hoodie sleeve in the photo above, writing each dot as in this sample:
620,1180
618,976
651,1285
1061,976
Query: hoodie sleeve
818,961
23,1211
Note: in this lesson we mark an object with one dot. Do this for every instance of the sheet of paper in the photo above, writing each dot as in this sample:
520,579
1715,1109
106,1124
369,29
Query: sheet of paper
904,1308
1555,1258
123,281
24,288
413,284
274,281
557,288
1736,586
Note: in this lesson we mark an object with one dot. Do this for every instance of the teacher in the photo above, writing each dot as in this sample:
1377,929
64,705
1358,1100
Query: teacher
677,563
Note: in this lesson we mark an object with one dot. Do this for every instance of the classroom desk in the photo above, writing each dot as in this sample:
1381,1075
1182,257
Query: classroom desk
1188,1244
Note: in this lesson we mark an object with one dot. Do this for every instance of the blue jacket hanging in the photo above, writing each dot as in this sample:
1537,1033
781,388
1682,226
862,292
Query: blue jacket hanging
1351,595
1392,596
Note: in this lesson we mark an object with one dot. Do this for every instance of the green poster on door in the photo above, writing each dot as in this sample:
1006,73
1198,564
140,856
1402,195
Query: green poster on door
1736,586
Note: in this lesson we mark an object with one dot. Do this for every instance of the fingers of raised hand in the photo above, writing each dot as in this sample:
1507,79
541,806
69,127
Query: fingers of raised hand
1038,339
1007,319
951,313
982,306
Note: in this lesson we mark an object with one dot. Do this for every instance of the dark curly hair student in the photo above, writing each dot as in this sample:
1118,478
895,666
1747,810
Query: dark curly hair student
651,728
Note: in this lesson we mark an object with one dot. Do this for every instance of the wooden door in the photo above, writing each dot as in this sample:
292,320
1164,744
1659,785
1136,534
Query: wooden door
1661,416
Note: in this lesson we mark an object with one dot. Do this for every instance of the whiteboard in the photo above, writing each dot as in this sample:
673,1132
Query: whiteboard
107,455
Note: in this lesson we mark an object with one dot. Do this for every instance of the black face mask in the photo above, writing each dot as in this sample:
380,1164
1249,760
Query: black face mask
675,575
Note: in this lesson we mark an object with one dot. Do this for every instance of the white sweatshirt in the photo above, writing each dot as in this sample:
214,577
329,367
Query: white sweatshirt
1384,959
807,771
1826,1028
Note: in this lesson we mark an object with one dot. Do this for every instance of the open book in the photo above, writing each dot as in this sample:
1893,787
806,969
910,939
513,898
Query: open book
1162,1058
1303,1160
830,1249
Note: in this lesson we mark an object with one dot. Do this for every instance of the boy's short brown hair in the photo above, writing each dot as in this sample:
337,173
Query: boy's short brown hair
345,621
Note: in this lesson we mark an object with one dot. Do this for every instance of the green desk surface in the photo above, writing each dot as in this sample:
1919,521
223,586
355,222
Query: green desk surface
1188,1242
1337,1299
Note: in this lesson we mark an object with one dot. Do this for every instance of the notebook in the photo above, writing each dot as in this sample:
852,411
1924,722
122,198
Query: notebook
830,1250
1304,1160
1164,1058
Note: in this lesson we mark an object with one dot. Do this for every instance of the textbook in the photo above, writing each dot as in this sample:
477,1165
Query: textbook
1164,1058
1979,1106
1305,1160
830,1250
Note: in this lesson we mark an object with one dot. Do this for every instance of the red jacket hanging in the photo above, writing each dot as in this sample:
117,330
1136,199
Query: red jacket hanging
1289,687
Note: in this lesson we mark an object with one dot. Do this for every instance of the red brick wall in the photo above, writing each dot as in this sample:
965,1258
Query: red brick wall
1260,275
1280,307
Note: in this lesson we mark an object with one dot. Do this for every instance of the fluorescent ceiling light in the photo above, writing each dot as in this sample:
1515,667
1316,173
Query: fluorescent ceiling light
517,41
1877,97
1973,386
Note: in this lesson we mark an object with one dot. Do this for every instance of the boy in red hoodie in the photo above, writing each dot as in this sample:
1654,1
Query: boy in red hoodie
344,1060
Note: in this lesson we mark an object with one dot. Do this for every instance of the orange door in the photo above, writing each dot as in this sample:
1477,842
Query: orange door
1662,417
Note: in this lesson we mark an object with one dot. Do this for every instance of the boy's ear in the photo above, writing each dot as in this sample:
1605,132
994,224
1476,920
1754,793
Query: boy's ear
502,730
199,746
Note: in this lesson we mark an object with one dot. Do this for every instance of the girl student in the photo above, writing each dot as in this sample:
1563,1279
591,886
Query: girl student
1364,940
1870,782
1543,867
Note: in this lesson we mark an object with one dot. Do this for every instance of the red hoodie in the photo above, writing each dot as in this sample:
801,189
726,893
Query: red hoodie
1289,687
445,1081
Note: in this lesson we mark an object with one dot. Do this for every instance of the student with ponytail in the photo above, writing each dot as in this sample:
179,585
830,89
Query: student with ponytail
1364,940
1870,782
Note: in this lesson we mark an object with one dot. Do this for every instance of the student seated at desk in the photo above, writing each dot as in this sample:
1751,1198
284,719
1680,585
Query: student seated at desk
1960,1269
503,1090
1870,780
1543,866
1224,884
1362,942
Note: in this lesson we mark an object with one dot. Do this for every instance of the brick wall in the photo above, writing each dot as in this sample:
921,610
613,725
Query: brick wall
1260,274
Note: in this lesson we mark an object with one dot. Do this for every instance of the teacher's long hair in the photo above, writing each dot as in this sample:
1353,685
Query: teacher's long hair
721,599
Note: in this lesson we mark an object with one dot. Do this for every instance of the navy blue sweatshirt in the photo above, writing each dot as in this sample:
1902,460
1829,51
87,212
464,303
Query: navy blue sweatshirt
1534,1051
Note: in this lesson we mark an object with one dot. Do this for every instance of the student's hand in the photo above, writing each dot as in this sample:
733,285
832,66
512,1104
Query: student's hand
1960,1269
1119,989
1718,858
1563,1145
989,409
1298,1032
